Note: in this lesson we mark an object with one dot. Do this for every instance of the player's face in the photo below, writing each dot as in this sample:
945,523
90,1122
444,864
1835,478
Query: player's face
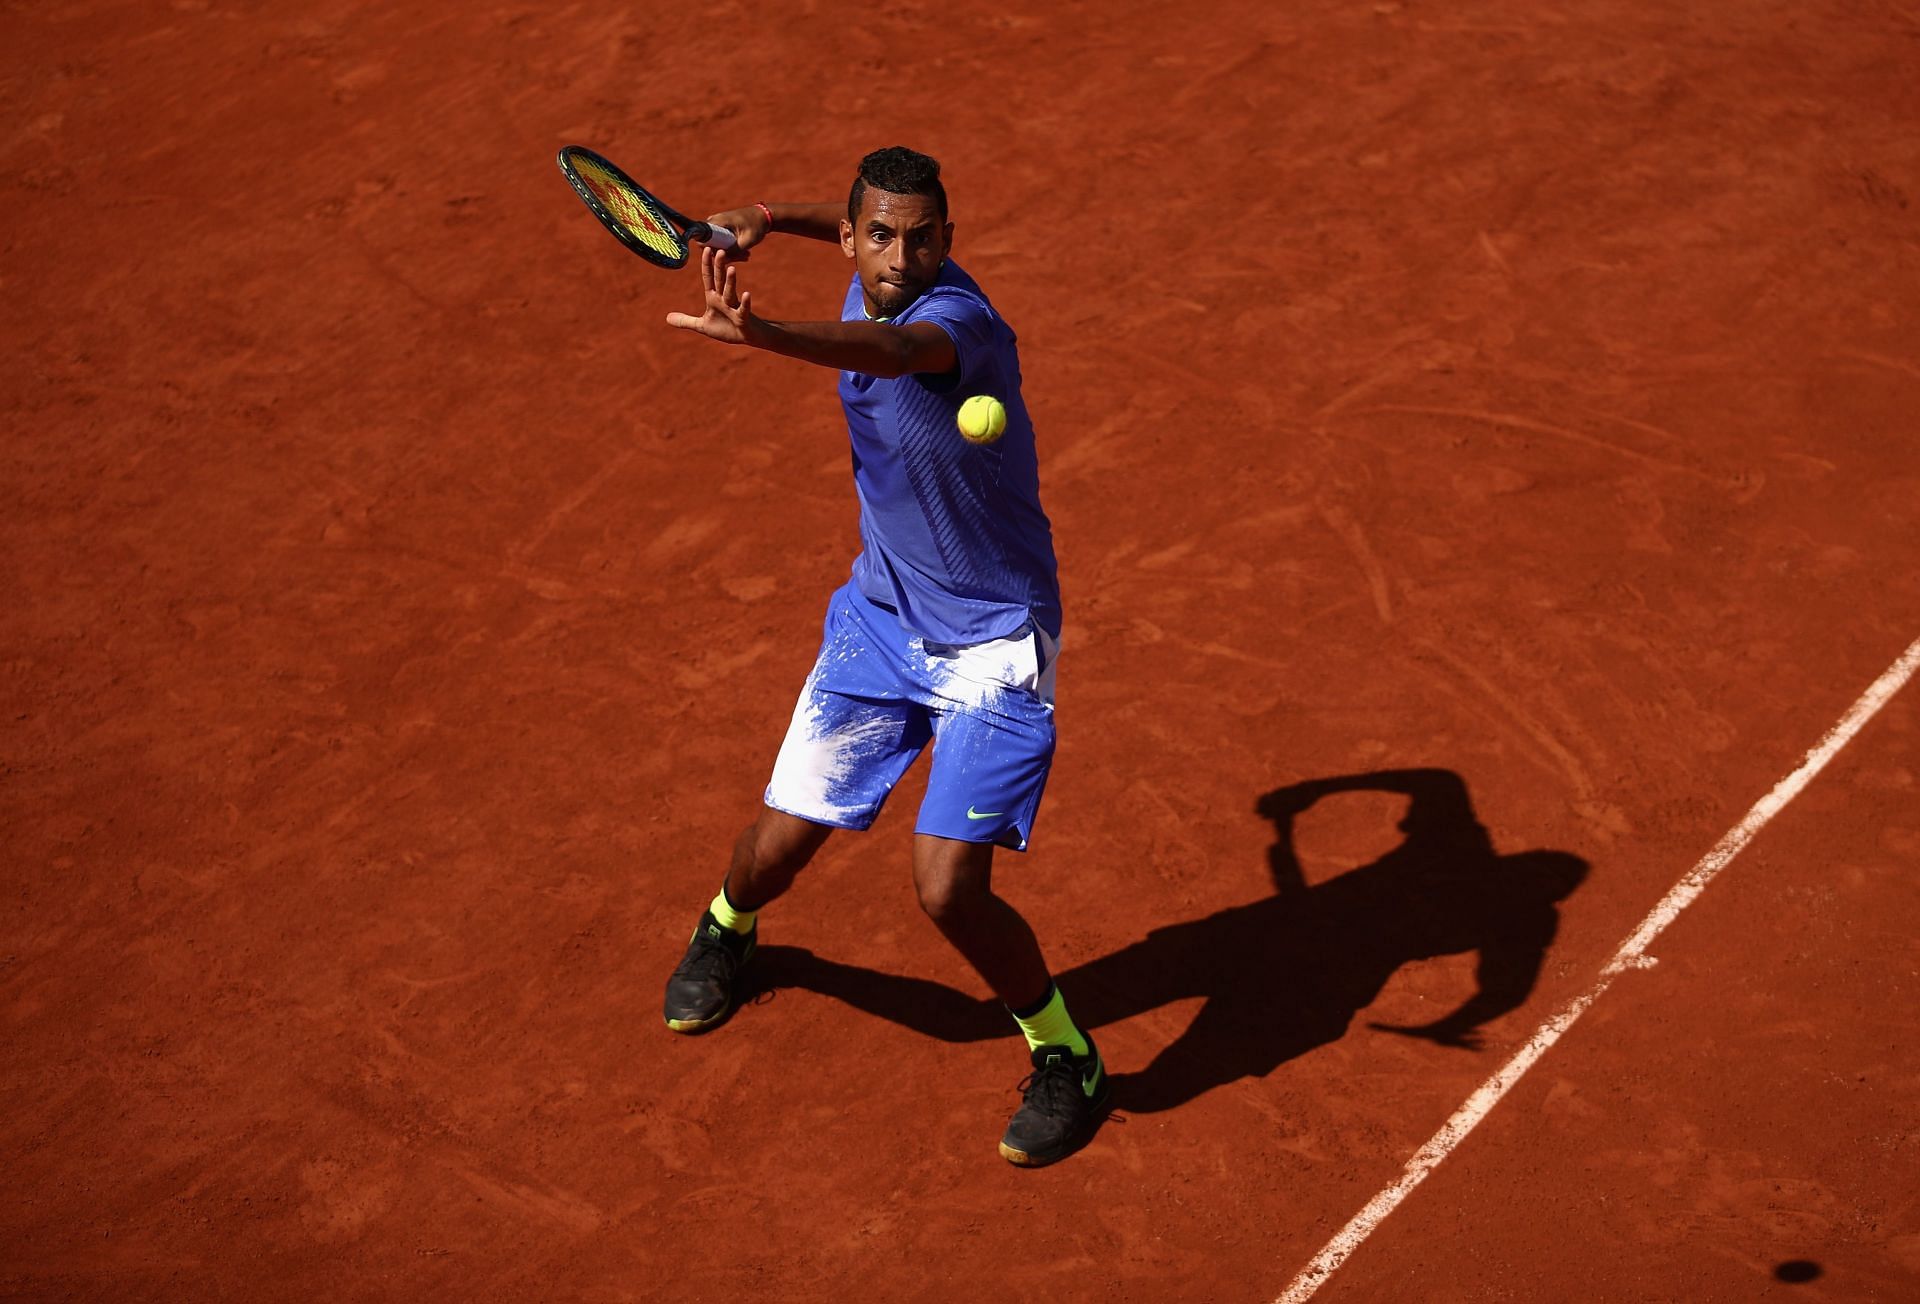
897,246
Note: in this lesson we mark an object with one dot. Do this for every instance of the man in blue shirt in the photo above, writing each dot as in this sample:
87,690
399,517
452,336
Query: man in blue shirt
946,633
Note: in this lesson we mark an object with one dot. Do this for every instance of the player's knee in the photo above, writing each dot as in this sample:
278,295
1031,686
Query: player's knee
945,895
939,899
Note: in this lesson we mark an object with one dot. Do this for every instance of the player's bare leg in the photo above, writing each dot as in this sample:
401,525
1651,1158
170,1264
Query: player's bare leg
955,882
1068,1089
766,858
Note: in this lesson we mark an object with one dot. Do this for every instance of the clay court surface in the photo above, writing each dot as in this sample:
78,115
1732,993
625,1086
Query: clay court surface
1478,413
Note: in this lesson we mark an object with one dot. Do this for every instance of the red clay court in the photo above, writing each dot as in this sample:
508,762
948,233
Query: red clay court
1481,443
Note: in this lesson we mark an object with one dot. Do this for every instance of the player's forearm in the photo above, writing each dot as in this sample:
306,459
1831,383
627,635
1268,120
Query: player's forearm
811,221
871,348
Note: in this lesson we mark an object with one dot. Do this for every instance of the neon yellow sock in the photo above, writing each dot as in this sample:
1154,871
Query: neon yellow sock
1051,1025
740,921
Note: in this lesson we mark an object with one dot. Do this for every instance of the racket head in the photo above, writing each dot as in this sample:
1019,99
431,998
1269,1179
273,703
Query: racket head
636,218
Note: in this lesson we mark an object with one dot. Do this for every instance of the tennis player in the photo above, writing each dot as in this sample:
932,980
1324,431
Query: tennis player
947,632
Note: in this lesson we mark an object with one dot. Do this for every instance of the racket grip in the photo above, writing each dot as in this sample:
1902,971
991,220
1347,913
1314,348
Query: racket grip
714,237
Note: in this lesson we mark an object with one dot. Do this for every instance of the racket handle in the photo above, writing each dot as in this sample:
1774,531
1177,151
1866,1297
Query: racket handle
714,237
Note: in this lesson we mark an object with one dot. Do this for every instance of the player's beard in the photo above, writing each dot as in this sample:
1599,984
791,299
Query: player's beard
894,298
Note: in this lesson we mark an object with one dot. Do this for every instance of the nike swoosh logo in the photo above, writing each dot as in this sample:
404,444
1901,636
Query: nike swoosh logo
973,814
1091,1085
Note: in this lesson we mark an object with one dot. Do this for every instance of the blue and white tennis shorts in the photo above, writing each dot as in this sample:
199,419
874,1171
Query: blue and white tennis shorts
878,695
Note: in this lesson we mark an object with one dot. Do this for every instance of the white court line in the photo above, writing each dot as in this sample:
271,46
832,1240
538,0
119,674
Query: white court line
1631,955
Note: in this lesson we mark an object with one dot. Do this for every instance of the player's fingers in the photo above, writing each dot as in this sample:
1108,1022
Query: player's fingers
731,288
746,303
683,321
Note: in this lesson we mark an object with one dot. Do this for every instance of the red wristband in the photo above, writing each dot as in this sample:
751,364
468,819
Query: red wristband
768,211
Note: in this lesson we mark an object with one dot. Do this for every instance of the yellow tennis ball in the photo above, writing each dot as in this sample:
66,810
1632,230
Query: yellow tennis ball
983,419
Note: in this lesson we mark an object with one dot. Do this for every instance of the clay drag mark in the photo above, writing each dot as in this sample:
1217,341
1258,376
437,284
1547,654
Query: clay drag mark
400,620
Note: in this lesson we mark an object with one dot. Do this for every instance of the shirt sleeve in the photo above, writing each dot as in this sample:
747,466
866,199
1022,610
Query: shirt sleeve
970,324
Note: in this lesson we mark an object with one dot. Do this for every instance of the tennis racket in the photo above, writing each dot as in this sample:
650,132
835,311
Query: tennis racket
637,219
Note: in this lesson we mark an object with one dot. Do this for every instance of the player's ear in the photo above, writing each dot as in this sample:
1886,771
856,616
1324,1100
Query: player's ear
846,237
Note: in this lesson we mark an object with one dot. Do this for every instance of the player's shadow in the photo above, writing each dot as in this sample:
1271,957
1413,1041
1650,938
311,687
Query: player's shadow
1288,972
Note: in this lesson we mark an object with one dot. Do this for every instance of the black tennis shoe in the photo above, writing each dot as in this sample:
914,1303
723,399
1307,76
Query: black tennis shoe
700,992
1065,1096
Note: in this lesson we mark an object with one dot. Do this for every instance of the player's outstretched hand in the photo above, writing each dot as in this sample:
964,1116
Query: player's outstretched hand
729,316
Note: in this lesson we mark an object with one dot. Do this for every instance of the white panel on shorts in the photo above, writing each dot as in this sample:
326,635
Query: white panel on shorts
1024,661
817,774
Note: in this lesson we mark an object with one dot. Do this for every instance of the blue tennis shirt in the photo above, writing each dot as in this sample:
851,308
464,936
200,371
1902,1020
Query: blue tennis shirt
953,537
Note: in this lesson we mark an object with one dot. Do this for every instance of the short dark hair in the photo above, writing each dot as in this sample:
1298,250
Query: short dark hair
898,171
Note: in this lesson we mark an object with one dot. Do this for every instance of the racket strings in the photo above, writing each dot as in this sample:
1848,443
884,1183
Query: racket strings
631,209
